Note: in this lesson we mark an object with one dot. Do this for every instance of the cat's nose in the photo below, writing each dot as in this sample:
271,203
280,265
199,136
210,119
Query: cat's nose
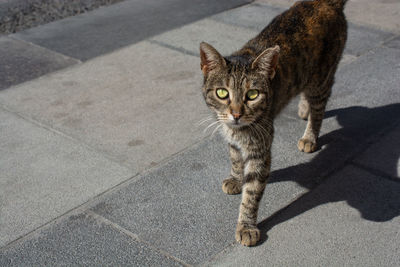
236,116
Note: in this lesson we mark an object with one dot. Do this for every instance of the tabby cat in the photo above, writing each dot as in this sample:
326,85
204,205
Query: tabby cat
298,52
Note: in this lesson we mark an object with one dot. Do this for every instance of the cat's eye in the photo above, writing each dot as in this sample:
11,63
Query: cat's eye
252,94
222,93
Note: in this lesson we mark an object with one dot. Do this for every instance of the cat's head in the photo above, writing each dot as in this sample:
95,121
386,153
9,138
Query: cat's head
237,87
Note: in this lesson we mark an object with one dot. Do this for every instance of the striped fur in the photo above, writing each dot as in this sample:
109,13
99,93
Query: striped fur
297,53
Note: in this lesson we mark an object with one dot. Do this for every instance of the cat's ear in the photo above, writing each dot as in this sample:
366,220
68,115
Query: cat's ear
267,61
210,58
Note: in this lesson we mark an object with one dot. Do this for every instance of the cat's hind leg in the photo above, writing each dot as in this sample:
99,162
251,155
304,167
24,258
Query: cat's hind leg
317,100
233,184
304,107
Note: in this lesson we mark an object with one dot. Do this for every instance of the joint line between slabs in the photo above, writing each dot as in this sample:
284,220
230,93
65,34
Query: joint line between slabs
87,204
44,48
132,235
177,49
77,209
58,132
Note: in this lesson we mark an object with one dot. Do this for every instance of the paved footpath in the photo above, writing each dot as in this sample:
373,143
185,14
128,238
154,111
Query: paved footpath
103,161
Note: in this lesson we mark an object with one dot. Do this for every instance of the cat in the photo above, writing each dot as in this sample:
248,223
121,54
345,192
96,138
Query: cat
297,53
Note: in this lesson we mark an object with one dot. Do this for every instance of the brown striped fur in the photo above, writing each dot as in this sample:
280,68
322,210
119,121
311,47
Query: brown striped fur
297,53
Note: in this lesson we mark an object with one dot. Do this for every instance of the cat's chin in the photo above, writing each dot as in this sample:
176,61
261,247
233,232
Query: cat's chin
236,126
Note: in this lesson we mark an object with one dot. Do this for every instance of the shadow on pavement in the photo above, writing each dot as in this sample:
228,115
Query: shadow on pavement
371,196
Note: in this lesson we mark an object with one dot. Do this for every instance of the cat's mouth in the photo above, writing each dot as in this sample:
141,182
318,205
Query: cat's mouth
233,123
236,124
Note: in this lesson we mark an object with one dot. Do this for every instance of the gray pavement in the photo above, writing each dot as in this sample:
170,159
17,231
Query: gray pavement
103,160
22,61
106,29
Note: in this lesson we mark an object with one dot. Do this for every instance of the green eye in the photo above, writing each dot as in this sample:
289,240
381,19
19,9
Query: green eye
252,94
222,93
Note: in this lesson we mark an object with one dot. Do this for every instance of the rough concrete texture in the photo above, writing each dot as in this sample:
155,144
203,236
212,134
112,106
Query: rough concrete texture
254,16
16,15
196,219
257,16
43,175
138,106
370,82
188,38
233,28
130,104
383,156
22,61
362,104
83,240
361,39
124,23
180,207
380,14
393,43
350,220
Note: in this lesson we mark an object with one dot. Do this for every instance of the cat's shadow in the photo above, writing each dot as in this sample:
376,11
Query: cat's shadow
375,200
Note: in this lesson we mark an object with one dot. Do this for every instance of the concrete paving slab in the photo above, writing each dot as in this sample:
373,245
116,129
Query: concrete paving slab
22,61
383,156
139,105
350,220
225,38
346,59
369,87
106,29
254,16
356,124
361,39
380,14
277,3
43,175
180,207
81,240
395,43
245,23
365,98
308,170
257,16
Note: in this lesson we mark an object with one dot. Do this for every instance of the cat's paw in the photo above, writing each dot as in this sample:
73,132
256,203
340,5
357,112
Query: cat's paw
247,235
307,145
231,186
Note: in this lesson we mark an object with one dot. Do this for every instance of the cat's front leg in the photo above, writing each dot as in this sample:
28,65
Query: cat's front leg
233,184
256,172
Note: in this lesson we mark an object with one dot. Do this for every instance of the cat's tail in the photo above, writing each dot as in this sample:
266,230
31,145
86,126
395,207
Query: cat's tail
338,4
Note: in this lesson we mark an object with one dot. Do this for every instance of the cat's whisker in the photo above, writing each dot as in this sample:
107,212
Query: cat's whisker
203,121
254,131
263,138
259,129
212,124
216,129
264,130
260,135
210,116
